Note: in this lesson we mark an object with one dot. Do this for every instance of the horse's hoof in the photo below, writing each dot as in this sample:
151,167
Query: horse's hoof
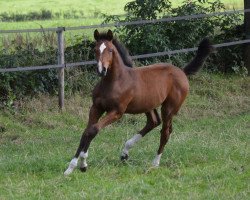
83,169
124,157
68,171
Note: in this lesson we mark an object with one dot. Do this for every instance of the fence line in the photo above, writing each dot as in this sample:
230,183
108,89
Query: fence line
91,62
61,64
138,22
153,21
31,68
189,49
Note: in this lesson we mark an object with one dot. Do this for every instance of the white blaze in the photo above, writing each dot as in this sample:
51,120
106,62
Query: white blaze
102,47
99,66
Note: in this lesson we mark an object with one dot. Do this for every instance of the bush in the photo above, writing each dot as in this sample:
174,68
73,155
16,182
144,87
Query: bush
44,15
26,50
17,17
164,36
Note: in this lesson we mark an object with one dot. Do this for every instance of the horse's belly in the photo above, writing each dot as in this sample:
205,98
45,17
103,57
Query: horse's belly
143,105
137,110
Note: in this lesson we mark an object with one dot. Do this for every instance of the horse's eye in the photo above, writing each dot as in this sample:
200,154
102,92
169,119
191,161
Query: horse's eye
110,50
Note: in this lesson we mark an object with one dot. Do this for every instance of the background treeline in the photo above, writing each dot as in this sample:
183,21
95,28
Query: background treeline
30,50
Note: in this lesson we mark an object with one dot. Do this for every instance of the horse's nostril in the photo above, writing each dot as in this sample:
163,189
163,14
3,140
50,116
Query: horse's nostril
104,71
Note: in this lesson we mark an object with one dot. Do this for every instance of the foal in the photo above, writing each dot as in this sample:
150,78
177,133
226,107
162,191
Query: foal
123,89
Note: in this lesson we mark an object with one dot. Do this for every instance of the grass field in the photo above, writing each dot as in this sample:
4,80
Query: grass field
207,156
89,7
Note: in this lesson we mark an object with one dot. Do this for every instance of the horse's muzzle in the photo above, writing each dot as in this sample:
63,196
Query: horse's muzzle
103,72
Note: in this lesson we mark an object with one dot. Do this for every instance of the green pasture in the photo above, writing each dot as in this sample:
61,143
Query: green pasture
50,23
207,156
90,8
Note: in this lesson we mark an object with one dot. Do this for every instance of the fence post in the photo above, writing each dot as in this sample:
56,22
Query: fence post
247,32
60,40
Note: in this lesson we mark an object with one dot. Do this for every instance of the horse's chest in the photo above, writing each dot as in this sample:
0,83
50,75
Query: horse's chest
112,97
107,101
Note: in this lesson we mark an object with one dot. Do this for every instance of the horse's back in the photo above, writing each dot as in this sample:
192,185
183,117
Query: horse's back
161,73
154,84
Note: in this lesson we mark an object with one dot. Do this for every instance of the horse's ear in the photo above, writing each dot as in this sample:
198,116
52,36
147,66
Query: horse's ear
109,35
96,35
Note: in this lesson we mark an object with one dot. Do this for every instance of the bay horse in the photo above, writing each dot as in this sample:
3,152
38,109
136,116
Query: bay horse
123,89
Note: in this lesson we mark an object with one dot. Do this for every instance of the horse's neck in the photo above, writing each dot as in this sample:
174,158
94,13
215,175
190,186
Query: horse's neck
118,69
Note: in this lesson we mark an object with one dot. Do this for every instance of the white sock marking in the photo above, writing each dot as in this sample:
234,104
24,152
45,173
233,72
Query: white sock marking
83,161
156,161
130,143
84,155
72,166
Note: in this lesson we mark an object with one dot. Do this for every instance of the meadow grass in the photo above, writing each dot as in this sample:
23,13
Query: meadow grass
207,156
89,7
50,23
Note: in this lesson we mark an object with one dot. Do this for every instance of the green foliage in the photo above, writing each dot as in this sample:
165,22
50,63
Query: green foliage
35,15
26,50
164,36
30,50
17,85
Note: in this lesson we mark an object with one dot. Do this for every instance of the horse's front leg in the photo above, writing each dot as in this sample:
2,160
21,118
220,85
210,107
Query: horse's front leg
94,115
88,136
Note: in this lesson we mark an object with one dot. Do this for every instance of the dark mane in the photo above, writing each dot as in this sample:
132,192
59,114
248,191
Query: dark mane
126,58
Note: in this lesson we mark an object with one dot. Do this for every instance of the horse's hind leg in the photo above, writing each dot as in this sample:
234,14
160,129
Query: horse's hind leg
165,133
153,120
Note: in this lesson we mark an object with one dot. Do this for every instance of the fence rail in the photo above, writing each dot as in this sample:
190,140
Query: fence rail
169,19
61,63
92,62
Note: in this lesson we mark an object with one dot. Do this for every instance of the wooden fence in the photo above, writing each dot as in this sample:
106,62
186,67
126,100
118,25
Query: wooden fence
60,38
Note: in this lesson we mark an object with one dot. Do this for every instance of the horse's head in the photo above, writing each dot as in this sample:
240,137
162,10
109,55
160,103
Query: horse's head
103,51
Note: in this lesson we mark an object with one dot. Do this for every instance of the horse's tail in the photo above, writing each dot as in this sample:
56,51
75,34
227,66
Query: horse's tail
204,49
